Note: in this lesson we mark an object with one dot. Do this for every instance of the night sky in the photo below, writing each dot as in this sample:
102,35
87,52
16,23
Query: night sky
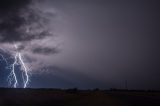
83,43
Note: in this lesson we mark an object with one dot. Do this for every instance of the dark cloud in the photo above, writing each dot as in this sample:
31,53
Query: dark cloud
19,21
45,50
7,6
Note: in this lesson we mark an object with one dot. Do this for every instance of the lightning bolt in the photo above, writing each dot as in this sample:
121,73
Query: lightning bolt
4,59
12,76
18,60
25,71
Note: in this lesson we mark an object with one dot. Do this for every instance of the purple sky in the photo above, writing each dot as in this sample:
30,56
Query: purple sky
86,43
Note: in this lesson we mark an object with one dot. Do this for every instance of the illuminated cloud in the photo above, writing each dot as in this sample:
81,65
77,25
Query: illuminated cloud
22,21
26,24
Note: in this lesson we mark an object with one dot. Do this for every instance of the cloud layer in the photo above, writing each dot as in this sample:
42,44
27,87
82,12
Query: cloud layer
26,24
20,21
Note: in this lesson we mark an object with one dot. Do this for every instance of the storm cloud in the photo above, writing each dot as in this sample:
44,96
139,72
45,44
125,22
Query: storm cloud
28,24
45,50
21,21
108,41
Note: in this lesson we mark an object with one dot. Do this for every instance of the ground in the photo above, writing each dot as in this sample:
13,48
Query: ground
53,97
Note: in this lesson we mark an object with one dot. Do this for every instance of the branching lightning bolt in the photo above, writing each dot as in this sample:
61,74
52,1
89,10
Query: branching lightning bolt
25,71
12,75
4,59
18,60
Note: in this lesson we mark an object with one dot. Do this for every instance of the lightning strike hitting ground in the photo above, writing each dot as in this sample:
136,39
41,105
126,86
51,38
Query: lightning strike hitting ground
12,76
25,71
18,60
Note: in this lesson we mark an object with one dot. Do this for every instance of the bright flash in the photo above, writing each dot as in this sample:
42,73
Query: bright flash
12,78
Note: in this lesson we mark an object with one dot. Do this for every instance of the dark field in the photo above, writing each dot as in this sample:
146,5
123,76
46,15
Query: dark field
53,97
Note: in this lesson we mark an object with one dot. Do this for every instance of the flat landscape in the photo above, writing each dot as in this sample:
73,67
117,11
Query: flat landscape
54,97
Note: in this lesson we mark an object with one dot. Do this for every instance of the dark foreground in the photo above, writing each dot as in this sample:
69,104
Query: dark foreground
49,97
